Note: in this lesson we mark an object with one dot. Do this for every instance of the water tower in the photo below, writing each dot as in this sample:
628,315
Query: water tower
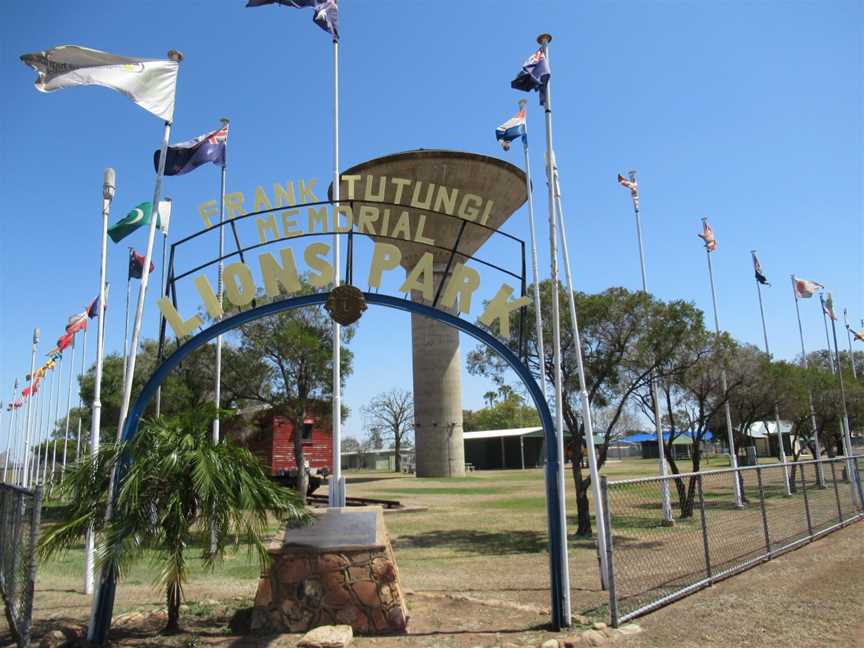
478,193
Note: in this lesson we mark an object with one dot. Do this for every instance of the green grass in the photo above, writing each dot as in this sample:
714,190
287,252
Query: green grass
441,490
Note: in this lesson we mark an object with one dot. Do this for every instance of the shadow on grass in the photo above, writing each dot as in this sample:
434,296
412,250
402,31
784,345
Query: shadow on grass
470,541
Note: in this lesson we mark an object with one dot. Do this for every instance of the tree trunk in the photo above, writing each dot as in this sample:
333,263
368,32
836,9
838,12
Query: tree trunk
299,457
583,513
397,446
173,595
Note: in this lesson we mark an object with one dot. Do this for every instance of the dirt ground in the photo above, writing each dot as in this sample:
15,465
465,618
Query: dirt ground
475,565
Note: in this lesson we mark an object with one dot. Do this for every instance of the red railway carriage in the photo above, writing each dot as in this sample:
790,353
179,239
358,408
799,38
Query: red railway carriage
269,435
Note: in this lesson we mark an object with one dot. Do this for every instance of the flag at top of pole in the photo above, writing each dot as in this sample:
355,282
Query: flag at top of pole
136,265
187,156
512,129
707,235
804,288
150,83
633,186
534,75
757,270
325,12
140,215
828,307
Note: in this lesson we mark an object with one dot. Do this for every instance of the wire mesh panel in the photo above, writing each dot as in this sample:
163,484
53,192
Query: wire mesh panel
20,511
712,536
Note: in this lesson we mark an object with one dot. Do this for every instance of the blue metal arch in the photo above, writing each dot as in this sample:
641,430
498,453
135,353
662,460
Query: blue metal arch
557,558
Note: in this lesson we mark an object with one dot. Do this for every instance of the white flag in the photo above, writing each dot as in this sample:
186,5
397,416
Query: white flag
150,83
164,215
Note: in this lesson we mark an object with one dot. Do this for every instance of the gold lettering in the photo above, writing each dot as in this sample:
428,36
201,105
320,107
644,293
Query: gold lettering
262,202
278,279
402,226
244,292
418,234
209,297
499,309
365,218
426,203
347,212
444,201
421,278
206,210
463,283
351,180
317,216
400,183
267,224
382,189
181,327
467,211
385,256
306,187
314,257
284,196
234,204
486,212
289,225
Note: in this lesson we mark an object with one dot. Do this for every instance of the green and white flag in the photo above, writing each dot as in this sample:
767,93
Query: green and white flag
150,83
139,216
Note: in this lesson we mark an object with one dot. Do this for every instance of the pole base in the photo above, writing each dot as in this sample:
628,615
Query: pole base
667,523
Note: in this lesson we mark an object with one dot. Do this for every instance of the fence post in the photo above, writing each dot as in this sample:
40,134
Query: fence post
26,615
806,501
704,528
858,481
610,564
836,491
764,511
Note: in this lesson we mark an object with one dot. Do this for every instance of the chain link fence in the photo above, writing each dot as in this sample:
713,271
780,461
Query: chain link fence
20,513
652,564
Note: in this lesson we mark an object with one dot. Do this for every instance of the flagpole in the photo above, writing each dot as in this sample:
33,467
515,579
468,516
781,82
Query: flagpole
733,458
847,438
126,327
68,407
652,383
849,340
538,315
827,336
781,447
39,431
336,492
53,421
555,473
818,448
104,599
156,214
223,176
593,468
78,407
108,189
9,443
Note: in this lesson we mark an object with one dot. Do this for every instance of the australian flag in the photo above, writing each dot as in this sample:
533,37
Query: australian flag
512,129
534,75
136,265
326,12
188,156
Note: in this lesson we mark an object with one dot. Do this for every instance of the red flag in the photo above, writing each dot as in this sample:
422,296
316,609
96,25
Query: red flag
64,341
77,322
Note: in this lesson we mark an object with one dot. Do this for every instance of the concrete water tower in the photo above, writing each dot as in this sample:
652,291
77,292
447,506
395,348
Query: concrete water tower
478,193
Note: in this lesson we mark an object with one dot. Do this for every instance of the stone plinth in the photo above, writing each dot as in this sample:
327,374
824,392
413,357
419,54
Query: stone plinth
339,570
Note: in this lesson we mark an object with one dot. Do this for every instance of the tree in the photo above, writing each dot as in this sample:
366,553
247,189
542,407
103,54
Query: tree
181,488
350,444
626,337
295,349
392,414
510,412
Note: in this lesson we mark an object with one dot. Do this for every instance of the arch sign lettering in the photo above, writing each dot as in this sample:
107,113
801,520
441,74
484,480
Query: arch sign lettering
420,232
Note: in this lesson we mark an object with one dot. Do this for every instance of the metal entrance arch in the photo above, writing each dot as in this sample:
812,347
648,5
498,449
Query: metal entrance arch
104,603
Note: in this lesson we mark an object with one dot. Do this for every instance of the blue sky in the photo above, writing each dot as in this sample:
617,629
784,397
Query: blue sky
749,113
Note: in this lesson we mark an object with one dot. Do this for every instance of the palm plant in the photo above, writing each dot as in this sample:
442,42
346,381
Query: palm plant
179,485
